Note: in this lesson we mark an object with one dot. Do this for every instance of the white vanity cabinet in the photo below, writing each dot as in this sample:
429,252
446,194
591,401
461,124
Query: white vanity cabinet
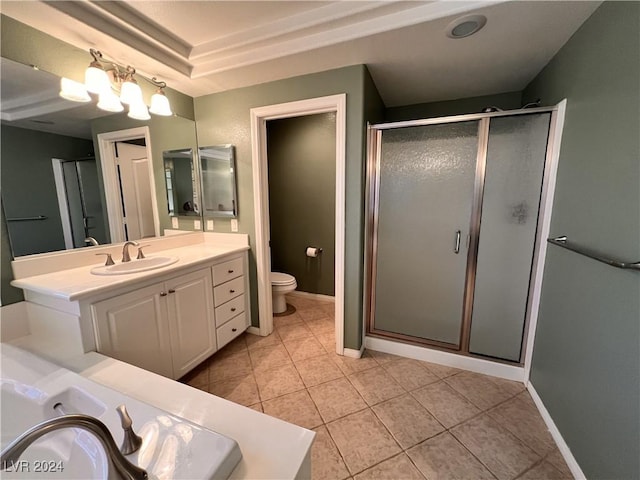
172,326
167,328
229,281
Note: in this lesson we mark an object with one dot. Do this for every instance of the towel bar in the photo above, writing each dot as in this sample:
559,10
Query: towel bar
563,242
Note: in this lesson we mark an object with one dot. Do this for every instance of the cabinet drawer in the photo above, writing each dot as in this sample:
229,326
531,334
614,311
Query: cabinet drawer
228,310
232,329
227,271
225,292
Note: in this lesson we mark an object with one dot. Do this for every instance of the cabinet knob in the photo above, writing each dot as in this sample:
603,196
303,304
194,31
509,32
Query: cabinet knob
233,309
172,290
234,329
229,271
163,294
232,291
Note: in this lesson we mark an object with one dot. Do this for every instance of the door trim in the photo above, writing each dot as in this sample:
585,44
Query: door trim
544,216
63,202
259,118
110,179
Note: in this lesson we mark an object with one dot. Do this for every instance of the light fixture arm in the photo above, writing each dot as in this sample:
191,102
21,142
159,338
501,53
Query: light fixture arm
158,83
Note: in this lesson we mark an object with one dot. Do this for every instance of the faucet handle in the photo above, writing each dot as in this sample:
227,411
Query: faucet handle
131,442
109,259
140,253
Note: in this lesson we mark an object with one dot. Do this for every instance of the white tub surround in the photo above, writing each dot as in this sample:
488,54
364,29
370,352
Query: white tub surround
165,320
270,447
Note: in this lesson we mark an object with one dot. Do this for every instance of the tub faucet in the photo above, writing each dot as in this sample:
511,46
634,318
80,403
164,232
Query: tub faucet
125,250
126,469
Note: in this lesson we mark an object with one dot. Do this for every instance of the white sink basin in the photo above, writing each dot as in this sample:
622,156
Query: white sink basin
134,266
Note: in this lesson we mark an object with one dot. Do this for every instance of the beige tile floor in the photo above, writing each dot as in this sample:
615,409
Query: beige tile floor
382,416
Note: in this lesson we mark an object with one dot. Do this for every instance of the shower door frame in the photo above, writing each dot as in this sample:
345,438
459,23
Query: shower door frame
542,229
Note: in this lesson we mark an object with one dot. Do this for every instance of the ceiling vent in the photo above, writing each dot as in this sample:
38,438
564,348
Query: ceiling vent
466,26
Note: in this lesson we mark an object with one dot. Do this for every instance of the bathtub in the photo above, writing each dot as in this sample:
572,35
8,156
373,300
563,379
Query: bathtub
34,390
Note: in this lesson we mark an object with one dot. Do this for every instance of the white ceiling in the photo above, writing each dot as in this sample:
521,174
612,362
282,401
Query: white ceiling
204,47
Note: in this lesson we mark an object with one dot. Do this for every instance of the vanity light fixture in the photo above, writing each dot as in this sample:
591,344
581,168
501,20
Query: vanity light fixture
105,79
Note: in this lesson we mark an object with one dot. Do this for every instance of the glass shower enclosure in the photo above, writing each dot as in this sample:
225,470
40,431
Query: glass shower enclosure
453,217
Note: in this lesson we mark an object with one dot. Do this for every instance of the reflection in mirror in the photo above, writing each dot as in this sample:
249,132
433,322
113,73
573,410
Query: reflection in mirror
217,165
52,186
181,180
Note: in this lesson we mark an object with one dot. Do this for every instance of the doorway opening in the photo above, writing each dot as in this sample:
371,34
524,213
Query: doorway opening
259,118
78,192
129,185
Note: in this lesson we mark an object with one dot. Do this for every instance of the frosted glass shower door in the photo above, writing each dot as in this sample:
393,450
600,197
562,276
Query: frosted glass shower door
426,180
513,183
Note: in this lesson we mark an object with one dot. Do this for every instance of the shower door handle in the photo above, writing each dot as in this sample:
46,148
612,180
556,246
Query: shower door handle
456,246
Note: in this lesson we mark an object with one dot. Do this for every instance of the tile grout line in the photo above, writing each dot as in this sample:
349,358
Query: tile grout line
347,372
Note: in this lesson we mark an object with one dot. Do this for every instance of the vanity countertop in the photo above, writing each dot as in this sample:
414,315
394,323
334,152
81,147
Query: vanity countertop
74,284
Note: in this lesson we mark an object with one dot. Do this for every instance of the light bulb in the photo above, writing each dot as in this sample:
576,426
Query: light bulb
130,93
74,91
138,111
96,80
160,104
109,102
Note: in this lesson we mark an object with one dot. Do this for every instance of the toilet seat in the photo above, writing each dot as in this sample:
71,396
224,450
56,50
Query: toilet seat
282,279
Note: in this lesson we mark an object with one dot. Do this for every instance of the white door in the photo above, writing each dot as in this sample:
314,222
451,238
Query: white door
135,173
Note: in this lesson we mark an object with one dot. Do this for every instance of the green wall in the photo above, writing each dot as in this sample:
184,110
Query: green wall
504,101
8,294
586,363
302,192
225,118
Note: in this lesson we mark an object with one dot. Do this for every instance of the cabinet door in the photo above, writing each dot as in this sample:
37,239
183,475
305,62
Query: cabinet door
191,320
134,328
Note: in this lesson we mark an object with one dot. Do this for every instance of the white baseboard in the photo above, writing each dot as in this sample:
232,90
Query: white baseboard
350,352
478,365
313,296
557,436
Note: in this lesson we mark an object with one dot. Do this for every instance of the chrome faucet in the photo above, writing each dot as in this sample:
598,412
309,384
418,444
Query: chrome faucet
125,250
126,469
92,241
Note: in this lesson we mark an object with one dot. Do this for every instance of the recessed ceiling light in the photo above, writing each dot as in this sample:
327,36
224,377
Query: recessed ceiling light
466,26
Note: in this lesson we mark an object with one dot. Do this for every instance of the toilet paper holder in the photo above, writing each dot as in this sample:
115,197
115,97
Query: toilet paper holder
313,251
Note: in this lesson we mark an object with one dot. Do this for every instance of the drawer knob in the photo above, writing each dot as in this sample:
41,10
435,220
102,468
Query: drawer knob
163,294
229,271
234,329
232,291
233,309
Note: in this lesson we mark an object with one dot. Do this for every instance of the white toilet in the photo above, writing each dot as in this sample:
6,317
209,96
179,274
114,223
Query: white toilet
281,284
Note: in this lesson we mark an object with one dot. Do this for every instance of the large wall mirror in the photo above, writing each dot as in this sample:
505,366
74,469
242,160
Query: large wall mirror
52,188
181,182
218,171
